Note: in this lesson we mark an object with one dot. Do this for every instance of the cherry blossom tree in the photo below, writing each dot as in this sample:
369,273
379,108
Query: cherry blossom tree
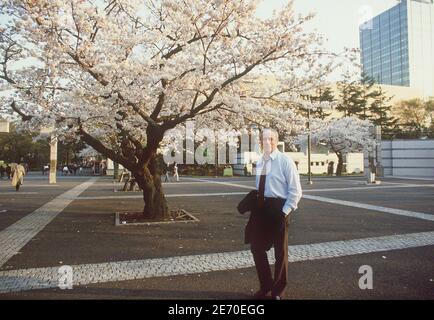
118,74
342,136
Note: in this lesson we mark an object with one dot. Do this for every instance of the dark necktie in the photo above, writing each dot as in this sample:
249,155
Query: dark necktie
261,196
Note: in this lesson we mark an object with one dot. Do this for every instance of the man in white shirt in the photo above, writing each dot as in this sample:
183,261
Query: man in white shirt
279,191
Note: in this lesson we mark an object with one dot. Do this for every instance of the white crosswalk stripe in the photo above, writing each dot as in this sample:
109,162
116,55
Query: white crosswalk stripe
16,236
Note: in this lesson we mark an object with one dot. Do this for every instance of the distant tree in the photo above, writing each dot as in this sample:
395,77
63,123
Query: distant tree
429,106
68,150
368,92
21,146
323,95
352,100
367,101
413,116
380,113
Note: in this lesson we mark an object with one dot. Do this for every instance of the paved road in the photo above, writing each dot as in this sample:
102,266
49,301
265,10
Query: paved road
341,225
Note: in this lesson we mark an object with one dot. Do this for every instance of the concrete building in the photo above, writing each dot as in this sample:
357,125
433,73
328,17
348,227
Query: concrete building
319,161
397,46
412,158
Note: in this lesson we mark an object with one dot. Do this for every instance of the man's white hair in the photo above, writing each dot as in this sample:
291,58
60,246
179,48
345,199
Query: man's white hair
274,133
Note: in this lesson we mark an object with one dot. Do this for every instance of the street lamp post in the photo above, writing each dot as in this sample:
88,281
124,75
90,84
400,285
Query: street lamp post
309,172
216,166
309,147
309,105
53,153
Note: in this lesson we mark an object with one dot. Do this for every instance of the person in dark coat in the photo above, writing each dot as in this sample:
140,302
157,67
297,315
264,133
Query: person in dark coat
8,171
330,168
249,203
2,171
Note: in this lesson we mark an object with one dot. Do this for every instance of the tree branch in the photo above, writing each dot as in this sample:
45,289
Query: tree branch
98,146
23,116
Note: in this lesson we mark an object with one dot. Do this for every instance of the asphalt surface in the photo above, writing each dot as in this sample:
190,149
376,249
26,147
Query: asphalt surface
84,232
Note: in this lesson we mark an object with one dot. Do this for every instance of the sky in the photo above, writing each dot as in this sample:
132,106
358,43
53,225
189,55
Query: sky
338,20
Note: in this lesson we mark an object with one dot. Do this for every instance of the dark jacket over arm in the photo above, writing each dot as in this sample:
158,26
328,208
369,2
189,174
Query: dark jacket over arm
249,203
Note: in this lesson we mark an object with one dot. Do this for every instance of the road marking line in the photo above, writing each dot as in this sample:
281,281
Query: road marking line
371,187
167,196
223,183
17,193
411,214
251,188
411,178
400,212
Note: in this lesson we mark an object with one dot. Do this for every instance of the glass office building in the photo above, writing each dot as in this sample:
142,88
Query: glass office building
397,46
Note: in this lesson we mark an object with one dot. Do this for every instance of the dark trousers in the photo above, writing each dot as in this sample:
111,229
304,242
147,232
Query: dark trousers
272,232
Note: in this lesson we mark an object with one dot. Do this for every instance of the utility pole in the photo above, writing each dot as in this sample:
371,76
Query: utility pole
53,153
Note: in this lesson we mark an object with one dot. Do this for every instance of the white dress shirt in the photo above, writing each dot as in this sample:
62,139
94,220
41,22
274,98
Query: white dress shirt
283,180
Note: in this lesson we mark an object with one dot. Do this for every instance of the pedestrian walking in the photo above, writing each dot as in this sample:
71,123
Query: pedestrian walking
2,171
8,171
175,171
18,173
166,171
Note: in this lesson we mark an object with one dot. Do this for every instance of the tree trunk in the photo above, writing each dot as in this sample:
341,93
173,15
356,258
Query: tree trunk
340,164
149,180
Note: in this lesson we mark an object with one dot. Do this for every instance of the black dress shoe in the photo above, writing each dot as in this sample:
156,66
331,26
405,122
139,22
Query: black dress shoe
261,294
